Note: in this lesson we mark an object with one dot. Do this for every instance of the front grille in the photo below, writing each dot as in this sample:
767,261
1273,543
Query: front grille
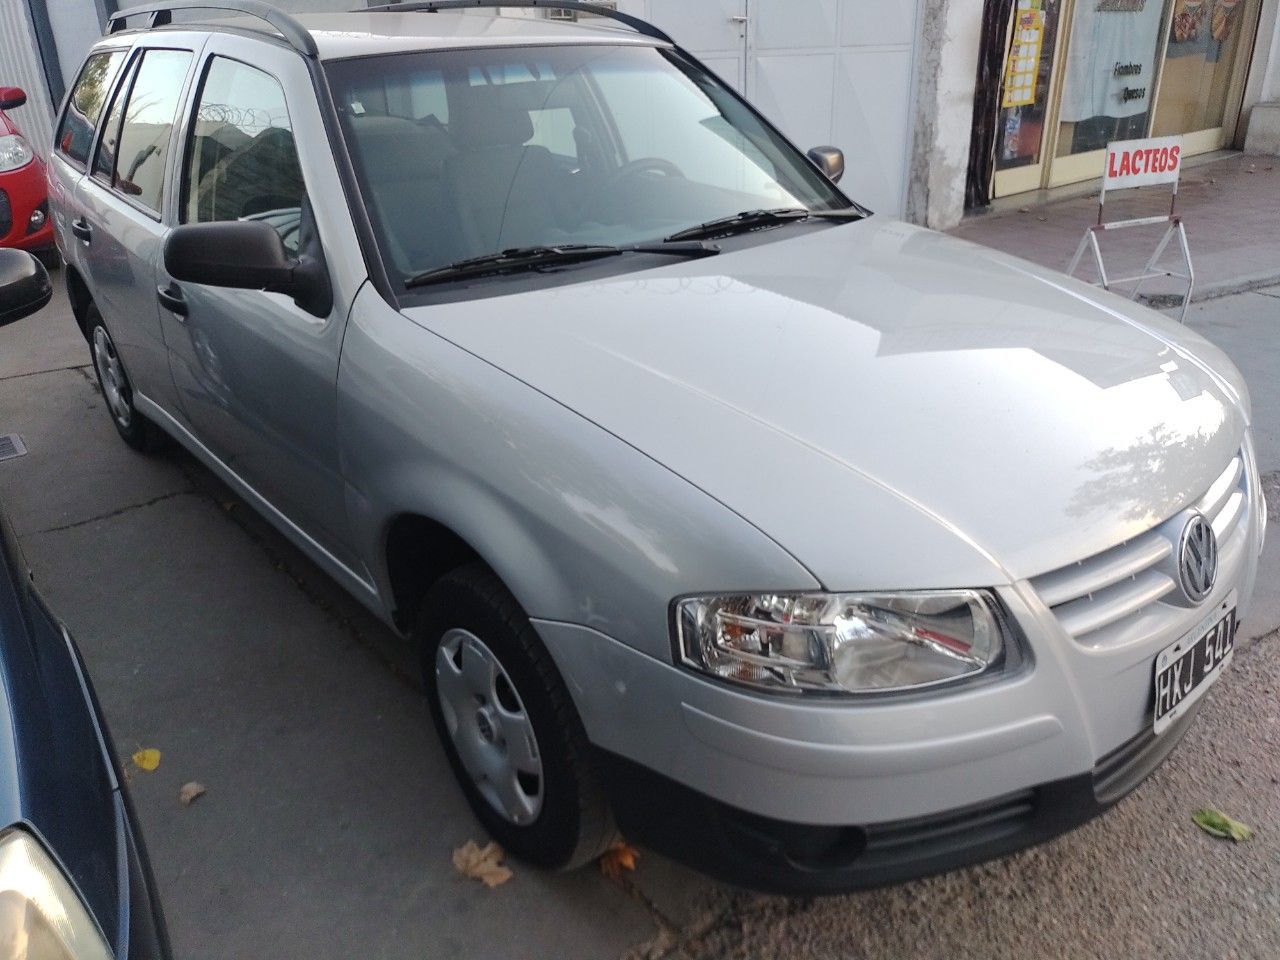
6,214
1113,597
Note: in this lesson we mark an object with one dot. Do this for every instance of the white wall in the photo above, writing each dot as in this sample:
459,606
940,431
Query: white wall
75,28
1269,53
838,72
20,67
834,72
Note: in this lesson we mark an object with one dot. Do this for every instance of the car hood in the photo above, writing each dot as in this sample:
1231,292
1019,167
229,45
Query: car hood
55,776
895,407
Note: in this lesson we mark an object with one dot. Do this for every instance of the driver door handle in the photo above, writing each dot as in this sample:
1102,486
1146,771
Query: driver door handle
81,229
171,299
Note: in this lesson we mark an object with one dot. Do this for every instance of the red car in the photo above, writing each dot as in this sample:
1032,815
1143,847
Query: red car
24,200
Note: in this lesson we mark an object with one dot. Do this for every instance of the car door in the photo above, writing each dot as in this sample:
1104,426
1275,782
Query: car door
123,201
257,374
72,144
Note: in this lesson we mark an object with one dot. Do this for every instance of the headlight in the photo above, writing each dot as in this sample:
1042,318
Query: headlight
14,152
841,643
41,917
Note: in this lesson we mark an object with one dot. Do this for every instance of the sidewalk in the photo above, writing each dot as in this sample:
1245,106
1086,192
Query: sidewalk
1231,208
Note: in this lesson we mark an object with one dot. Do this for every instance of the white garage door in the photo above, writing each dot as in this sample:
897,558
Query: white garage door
825,71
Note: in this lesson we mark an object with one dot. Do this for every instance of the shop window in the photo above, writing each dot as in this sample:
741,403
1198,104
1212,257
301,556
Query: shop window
1110,77
1204,43
1028,76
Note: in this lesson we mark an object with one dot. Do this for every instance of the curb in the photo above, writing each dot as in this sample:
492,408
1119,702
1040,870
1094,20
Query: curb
1214,290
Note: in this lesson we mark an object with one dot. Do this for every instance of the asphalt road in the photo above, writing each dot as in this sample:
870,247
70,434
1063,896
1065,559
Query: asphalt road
330,814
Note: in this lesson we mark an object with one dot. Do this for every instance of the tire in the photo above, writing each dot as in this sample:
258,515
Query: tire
134,429
472,629
50,257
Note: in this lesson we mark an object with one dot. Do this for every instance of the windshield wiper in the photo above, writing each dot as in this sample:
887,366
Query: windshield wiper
752,219
533,258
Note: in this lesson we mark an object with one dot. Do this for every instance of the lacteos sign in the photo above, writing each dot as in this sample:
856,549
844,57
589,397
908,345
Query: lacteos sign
1139,163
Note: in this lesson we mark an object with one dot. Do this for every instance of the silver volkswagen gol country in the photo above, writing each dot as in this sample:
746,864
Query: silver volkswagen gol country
815,549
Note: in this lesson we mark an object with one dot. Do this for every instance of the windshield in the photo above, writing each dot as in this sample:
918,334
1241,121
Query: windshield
464,153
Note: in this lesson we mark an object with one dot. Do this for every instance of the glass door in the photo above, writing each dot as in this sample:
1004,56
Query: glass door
1110,76
1022,125
1205,62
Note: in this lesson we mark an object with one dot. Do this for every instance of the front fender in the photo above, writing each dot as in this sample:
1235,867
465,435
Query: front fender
582,527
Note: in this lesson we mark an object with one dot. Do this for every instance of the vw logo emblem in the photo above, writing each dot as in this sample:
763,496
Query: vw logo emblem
1197,558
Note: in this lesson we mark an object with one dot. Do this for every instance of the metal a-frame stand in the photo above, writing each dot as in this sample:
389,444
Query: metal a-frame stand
1175,228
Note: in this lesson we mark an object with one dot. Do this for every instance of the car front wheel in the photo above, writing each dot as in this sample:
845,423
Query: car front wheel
509,728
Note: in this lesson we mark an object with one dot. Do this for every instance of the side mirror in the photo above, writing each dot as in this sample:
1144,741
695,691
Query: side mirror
246,255
24,285
830,160
11,97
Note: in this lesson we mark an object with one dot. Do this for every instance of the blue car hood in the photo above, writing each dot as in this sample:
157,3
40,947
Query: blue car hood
56,777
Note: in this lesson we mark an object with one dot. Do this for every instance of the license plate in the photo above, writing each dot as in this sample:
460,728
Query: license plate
1186,669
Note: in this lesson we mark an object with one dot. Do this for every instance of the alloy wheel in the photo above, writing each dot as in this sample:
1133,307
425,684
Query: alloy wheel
115,385
489,726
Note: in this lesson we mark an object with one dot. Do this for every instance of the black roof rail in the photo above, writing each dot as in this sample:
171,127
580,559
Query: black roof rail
431,6
294,33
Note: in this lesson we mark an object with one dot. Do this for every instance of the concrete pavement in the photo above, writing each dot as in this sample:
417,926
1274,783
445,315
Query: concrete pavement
330,813
1231,208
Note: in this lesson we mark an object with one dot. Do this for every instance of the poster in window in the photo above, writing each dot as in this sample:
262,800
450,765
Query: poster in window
1111,59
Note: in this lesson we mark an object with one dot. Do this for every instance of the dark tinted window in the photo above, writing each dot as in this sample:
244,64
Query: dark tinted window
75,132
148,121
241,161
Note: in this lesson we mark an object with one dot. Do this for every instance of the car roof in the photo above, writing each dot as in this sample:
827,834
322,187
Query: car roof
365,33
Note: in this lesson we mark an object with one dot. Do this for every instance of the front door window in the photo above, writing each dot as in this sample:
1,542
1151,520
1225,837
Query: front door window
242,163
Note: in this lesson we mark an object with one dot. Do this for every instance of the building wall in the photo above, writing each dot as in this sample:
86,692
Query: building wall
838,72
841,72
76,25
1266,66
950,37
20,66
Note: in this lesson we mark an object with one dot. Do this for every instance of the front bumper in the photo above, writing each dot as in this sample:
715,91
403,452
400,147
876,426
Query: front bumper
1025,753
22,192
778,856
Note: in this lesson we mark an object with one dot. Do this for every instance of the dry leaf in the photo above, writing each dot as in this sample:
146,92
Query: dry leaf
190,792
147,759
619,857
482,863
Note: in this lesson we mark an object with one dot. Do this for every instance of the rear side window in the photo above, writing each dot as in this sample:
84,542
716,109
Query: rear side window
149,112
75,132
104,161
242,163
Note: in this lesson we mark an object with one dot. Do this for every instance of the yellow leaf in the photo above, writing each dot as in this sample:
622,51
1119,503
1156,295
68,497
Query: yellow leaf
190,792
619,857
482,863
147,759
